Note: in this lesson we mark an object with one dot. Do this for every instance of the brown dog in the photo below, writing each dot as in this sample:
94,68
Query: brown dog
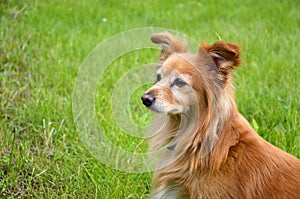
211,150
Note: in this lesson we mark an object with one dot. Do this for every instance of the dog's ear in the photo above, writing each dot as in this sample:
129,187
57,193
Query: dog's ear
169,44
224,55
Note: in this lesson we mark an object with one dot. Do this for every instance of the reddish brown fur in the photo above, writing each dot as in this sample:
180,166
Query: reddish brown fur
241,164
164,94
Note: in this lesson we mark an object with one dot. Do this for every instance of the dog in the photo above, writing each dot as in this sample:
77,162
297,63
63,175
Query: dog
210,150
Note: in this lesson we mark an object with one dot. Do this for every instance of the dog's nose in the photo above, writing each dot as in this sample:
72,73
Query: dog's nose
148,99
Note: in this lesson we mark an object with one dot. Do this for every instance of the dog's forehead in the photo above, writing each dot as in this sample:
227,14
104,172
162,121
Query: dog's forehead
180,63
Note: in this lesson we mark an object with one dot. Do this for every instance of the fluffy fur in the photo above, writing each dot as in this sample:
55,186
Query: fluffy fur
211,151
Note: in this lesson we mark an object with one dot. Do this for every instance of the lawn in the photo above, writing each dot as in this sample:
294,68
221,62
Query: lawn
44,43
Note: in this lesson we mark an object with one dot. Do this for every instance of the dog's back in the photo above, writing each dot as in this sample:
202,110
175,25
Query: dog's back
254,168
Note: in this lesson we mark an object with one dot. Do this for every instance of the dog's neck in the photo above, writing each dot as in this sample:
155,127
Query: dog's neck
191,146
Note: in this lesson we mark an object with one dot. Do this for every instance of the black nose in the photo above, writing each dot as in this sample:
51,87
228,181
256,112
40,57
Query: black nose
148,99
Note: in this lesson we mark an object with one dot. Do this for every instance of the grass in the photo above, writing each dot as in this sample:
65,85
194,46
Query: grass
43,43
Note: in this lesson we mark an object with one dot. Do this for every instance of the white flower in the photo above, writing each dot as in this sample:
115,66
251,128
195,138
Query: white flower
104,20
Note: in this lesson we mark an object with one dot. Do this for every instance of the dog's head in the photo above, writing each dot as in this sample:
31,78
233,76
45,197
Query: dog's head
185,80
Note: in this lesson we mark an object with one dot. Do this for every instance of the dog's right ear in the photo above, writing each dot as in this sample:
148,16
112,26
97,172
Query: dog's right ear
169,44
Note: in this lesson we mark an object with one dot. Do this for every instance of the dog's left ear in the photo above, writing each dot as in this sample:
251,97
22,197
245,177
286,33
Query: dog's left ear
169,44
224,55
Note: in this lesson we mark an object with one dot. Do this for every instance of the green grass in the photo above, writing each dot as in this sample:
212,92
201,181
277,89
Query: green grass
43,43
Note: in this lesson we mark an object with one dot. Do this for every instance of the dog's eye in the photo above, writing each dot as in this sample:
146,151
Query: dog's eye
179,82
158,77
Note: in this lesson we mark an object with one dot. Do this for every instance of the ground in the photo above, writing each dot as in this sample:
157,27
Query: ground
43,44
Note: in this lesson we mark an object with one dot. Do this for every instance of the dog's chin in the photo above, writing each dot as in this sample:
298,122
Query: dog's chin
170,112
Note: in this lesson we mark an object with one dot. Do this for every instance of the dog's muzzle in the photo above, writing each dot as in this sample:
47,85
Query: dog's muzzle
148,99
